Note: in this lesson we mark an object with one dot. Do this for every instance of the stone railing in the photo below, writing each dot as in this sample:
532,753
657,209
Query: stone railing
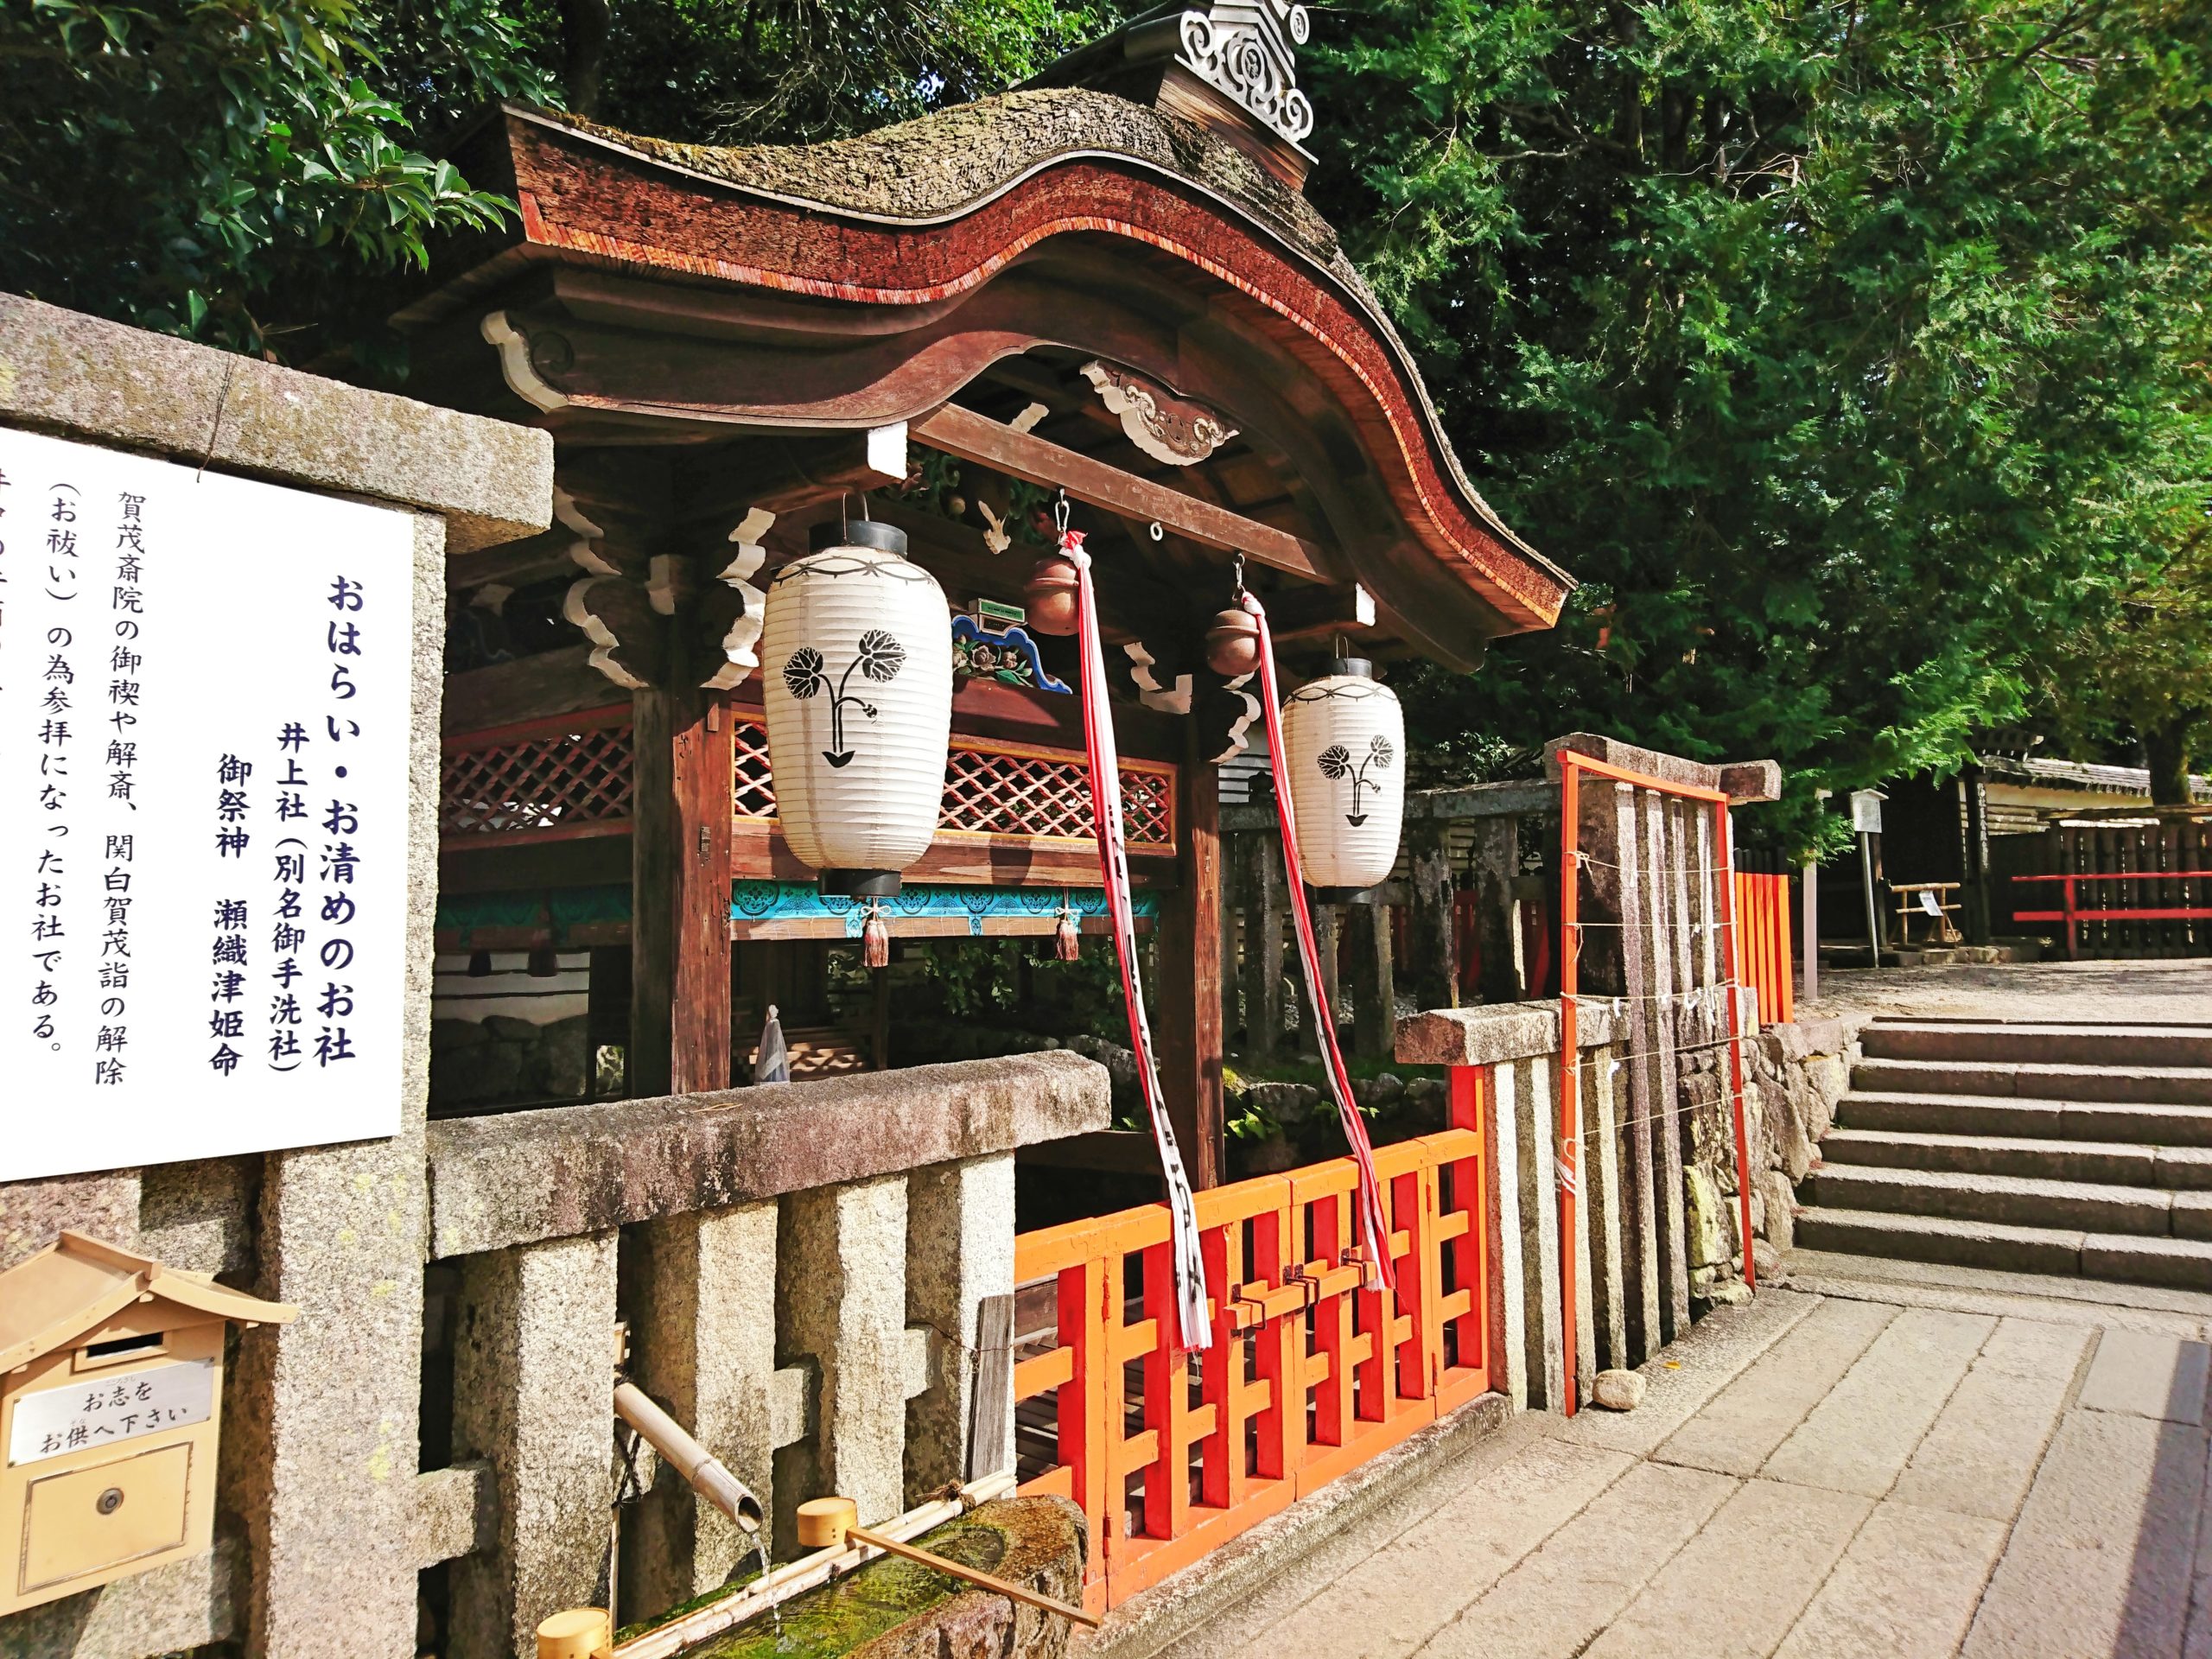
1659,1241
800,1269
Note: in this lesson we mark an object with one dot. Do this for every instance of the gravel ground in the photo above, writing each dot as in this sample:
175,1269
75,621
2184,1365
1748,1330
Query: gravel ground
2106,992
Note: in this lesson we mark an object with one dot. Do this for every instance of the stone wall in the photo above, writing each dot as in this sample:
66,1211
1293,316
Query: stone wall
1653,1250
1794,1074
361,1462
318,1416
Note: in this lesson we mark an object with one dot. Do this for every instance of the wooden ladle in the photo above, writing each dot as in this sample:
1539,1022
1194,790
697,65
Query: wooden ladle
829,1523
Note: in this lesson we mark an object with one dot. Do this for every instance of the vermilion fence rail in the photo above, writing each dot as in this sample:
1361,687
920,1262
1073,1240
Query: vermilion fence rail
2075,911
1170,1453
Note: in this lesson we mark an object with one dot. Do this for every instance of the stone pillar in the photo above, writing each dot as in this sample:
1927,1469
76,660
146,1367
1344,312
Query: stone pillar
1373,994
1432,943
1536,1125
1263,966
703,1343
1601,1190
841,1289
1496,860
1508,1289
324,1448
959,1250
533,1388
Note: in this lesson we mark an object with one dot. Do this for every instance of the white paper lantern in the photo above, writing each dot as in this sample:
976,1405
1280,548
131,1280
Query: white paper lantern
856,667
1344,739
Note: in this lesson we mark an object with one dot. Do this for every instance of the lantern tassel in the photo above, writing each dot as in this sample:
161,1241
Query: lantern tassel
875,940
1373,1229
1194,1329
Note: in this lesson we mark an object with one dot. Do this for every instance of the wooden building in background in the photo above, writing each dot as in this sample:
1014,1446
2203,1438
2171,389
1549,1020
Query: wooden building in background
1108,283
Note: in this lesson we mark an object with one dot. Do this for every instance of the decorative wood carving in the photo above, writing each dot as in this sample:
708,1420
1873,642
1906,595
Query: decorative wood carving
1162,678
1225,715
693,618
1167,427
740,639
1243,48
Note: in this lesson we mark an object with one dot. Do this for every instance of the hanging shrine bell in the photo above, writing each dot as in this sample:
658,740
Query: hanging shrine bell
1344,740
857,658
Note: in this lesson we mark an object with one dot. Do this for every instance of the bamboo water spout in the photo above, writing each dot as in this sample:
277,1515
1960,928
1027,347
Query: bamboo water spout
699,1468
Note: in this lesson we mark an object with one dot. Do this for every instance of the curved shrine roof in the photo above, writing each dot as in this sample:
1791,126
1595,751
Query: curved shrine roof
920,215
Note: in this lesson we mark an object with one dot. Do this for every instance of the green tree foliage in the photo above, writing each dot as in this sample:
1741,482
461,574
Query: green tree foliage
1846,350
731,72
230,168
2139,666
175,162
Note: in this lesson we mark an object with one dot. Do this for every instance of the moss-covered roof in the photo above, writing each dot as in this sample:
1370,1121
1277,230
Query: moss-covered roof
943,163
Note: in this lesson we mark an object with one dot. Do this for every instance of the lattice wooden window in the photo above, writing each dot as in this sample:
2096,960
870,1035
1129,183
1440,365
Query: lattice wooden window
1005,790
554,778
754,790
549,778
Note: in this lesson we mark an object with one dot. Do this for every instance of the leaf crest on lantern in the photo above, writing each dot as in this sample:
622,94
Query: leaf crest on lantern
802,675
1335,760
881,655
1379,752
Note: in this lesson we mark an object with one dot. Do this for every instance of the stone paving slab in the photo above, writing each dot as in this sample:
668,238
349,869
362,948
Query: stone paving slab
1740,1584
2049,1297
1906,1589
2147,1376
2098,1565
1860,1438
1392,1601
1739,1428
1981,1454
1556,1600
1689,1373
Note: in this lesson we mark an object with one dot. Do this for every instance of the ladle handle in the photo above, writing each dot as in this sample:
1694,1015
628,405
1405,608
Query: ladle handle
999,1587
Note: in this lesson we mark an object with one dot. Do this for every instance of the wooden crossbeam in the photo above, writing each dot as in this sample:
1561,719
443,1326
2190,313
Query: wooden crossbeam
963,433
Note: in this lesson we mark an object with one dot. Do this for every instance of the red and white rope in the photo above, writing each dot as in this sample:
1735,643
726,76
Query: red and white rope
1196,1331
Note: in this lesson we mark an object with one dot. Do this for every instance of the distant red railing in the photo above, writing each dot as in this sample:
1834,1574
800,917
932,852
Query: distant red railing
1310,1375
2075,913
1762,925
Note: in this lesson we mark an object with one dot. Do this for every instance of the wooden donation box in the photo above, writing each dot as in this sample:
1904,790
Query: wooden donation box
111,1401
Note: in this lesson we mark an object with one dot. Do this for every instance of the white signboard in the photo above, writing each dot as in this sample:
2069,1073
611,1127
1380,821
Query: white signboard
204,714
1866,810
91,1412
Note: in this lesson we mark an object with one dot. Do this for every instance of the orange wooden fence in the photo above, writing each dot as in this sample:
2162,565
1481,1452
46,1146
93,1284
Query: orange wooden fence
1762,916
1172,1453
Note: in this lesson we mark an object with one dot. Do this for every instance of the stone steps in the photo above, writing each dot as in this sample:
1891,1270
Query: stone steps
2042,1149
2148,1084
2060,1045
2047,1120
2132,1258
2015,1200
2118,1162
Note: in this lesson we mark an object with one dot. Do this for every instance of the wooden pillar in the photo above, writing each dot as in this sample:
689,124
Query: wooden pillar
1188,1011
1374,996
1432,946
679,892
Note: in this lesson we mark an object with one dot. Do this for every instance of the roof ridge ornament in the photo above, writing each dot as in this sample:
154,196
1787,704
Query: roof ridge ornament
1243,48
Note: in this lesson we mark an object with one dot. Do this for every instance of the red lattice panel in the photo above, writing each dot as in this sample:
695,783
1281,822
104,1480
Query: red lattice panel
536,780
753,790
1028,793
